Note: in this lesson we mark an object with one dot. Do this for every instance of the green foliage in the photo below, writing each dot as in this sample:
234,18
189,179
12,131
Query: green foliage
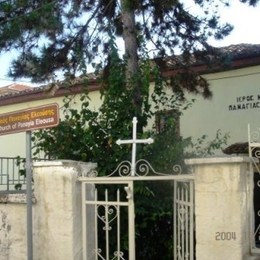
68,35
203,147
88,135
154,215
20,163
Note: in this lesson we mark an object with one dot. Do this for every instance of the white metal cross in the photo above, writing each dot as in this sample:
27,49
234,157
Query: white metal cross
134,141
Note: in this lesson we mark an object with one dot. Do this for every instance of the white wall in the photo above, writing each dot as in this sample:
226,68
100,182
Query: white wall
222,202
204,117
13,228
57,221
222,199
207,116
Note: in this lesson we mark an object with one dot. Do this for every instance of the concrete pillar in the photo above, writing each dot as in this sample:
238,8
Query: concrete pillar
57,213
222,208
13,227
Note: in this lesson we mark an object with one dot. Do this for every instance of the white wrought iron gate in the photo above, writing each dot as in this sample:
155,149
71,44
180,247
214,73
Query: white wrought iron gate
109,214
183,220
107,210
254,188
109,217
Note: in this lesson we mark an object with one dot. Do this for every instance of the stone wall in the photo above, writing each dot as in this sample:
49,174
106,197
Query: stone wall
222,204
57,230
13,227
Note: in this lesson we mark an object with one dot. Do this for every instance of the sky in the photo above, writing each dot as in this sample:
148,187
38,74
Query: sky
245,20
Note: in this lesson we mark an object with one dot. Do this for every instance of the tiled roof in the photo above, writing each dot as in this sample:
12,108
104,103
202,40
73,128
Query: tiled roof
241,50
237,148
13,89
231,53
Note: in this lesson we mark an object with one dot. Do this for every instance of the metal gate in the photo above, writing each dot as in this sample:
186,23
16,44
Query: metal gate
103,205
108,210
109,216
254,188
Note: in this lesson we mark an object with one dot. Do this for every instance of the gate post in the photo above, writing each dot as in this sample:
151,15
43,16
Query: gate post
57,214
222,208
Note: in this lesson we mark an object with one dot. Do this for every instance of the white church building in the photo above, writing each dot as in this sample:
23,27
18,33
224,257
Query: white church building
220,214
234,105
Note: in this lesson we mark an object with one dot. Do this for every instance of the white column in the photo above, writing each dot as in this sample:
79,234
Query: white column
222,208
57,215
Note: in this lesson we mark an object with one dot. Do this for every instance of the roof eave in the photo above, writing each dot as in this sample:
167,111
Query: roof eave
205,69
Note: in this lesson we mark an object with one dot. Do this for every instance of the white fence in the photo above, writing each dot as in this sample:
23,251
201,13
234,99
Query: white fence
12,177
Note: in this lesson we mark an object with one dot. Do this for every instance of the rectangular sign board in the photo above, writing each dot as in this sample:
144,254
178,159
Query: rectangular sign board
29,119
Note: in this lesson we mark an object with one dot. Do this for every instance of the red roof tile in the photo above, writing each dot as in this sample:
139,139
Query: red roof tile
13,88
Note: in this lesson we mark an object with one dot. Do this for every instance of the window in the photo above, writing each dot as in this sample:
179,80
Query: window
166,119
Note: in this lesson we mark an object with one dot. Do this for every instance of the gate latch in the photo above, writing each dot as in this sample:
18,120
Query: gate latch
128,192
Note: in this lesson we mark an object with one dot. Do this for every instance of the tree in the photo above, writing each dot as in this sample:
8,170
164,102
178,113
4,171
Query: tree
88,135
69,35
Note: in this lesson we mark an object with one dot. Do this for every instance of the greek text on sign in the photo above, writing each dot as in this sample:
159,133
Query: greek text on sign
29,119
245,102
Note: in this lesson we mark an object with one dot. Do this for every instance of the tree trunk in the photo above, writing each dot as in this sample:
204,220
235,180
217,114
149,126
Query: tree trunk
129,36
131,47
